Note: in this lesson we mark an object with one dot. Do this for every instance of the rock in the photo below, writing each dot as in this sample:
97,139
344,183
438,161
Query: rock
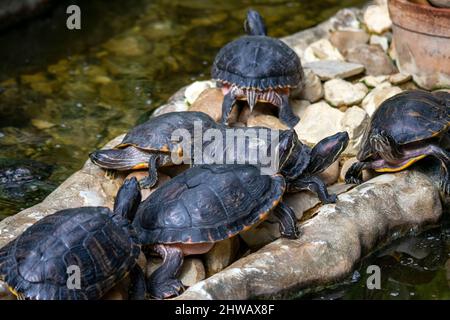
383,42
313,89
193,91
162,178
261,234
354,121
332,242
263,120
373,100
42,124
321,50
221,255
192,271
345,20
377,19
372,81
127,47
373,58
329,69
399,78
319,120
210,102
331,174
367,175
304,201
299,107
339,92
345,40
259,109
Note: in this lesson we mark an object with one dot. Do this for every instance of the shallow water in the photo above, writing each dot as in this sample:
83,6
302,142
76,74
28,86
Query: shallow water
64,93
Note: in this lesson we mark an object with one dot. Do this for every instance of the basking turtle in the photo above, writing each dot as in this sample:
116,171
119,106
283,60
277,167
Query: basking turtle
404,129
258,68
102,244
210,203
150,144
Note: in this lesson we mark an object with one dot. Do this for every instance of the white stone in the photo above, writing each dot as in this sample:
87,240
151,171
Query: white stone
373,81
299,107
339,92
373,100
329,69
383,42
377,19
313,90
355,121
318,120
194,90
321,50
400,78
192,271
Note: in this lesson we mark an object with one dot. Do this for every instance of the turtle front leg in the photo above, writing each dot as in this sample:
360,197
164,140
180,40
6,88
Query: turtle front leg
286,114
354,174
227,105
444,157
163,283
137,288
152,179
288,221
314,184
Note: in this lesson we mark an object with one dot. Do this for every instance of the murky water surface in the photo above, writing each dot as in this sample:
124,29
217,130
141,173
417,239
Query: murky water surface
64,93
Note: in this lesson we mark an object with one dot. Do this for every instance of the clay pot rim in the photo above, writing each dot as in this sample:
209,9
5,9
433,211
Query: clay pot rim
420,18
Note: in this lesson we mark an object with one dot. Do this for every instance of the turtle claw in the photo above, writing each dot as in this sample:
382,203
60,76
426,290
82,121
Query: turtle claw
332,198
444,185
167,289
354,174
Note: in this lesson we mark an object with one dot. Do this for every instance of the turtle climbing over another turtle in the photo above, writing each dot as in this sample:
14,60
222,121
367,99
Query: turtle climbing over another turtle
404,129
209,203
150,145
100,243
256,68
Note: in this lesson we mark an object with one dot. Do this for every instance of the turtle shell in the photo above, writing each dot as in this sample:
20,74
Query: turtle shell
408,117
103,246
258,62
208,203
155,134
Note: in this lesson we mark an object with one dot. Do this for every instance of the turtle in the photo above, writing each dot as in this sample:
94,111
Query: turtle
213,202
403,130
150,145
258,68
100,243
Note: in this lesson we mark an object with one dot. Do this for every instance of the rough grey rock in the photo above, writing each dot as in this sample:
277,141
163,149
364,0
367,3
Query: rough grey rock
332,242
345,40
329,69
374,59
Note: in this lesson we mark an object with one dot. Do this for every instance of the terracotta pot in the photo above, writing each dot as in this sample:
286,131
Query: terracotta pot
421,36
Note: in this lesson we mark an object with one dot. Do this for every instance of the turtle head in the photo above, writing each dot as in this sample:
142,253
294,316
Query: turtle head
254,24
327,151
385,146
128,199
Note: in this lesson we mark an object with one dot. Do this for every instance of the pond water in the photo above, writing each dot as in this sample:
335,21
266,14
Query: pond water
65,93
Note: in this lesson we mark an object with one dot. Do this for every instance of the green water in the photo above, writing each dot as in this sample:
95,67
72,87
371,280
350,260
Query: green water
65,93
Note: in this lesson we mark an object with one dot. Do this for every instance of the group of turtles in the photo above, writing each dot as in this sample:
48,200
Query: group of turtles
210,202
